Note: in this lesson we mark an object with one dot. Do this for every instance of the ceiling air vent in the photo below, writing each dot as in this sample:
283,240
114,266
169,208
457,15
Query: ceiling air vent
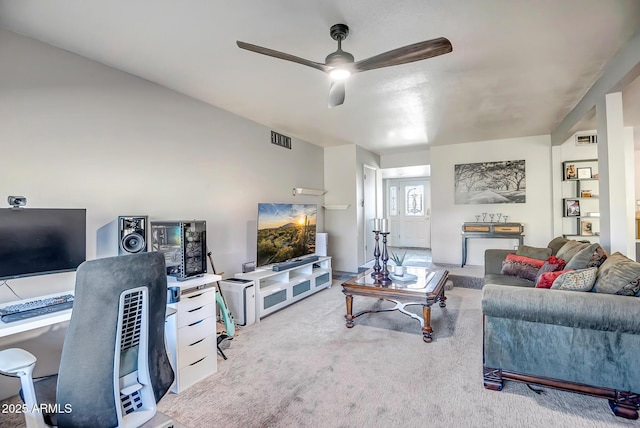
280,140
584,140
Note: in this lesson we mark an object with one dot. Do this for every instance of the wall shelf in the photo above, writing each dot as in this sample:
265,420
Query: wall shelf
304,191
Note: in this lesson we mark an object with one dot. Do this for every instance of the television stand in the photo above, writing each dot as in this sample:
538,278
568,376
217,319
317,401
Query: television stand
276,289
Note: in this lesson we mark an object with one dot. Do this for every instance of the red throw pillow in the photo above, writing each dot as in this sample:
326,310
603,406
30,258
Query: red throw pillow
521,266
551,265
546,279
524,259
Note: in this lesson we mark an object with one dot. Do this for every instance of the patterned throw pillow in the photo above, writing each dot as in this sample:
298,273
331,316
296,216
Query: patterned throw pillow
577,280
521,266
553,264
598,257
618,275
545,280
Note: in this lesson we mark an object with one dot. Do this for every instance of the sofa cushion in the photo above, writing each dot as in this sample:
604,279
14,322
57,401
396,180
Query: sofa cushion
546,279
570,249
581,259
521,266
556,244
533,252
577,280
618,275
493,278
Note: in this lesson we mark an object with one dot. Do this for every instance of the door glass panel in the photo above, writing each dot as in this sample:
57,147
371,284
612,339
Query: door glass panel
393,200
414,200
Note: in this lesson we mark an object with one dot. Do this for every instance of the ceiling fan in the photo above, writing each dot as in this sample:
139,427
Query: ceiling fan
339,65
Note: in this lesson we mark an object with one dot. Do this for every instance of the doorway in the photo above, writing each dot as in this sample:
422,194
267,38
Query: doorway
408,207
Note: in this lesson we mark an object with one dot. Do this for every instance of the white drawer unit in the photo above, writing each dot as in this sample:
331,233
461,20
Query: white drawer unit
191,331
275,290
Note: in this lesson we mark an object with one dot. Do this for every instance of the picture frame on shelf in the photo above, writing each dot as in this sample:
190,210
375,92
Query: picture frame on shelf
584,172
570,172
572,208
586,194
586,227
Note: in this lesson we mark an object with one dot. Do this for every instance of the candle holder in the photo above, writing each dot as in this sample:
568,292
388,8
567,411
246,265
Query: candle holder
376,253
384,275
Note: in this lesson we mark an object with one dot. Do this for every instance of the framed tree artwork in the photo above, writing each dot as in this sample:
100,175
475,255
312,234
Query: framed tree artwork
501,182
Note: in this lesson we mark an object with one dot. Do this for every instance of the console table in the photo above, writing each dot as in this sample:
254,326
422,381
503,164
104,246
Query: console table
491,231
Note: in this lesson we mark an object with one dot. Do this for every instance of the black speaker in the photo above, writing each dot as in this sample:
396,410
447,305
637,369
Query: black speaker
124,235
133,235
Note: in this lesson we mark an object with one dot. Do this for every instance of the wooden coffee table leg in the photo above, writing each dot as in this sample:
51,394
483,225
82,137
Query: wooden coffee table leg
443,299
426,330
349,315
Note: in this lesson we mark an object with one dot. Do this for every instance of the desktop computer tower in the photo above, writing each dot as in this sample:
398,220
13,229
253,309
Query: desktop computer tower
124,235
184,244
240,296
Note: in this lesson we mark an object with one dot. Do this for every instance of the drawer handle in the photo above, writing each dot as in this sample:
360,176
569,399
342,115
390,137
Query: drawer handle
196,342
193,297
193,364
196,309
195,323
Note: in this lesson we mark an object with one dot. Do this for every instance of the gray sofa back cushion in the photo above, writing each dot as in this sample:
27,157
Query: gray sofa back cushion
618,275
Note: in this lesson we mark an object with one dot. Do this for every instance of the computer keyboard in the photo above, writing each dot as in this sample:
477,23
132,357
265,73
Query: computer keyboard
36,308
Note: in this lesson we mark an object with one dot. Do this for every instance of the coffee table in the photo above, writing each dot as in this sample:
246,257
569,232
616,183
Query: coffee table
426,289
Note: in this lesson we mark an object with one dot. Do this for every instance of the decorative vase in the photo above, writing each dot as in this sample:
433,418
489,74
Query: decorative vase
398,270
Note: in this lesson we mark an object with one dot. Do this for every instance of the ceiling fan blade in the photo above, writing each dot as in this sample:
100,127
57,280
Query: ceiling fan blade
336,94
281,55
415,52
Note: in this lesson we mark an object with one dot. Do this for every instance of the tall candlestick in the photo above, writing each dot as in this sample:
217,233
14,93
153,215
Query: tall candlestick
376,254
385,226
376,225
384,274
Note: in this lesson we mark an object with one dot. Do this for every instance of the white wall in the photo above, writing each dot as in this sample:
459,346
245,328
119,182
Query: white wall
344,185
341,225
77,134
447,217
363,157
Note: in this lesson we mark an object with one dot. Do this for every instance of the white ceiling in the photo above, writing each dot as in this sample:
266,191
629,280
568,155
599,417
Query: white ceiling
517,66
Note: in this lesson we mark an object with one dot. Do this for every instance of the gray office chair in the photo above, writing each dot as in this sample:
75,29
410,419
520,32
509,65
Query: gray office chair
120,304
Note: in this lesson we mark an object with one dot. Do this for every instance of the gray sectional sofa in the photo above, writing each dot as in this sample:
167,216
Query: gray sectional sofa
581,341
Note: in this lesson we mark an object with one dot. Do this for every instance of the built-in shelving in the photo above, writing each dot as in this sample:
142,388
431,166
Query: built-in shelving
580,203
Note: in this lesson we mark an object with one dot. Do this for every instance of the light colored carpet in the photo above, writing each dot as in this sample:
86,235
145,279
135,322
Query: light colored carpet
301,367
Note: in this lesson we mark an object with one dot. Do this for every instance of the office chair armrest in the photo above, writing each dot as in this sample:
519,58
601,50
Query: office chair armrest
14,360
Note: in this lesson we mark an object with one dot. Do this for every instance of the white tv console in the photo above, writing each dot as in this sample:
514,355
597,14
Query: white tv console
276,290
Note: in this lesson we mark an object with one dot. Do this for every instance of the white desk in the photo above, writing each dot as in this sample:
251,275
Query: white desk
15,327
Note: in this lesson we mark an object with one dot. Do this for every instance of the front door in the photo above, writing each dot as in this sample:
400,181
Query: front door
410,213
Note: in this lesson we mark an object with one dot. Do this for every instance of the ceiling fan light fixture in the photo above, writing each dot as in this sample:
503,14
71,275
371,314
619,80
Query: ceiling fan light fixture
339,73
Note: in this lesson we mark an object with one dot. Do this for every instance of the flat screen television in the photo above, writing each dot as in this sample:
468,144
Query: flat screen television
285,232
39,241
